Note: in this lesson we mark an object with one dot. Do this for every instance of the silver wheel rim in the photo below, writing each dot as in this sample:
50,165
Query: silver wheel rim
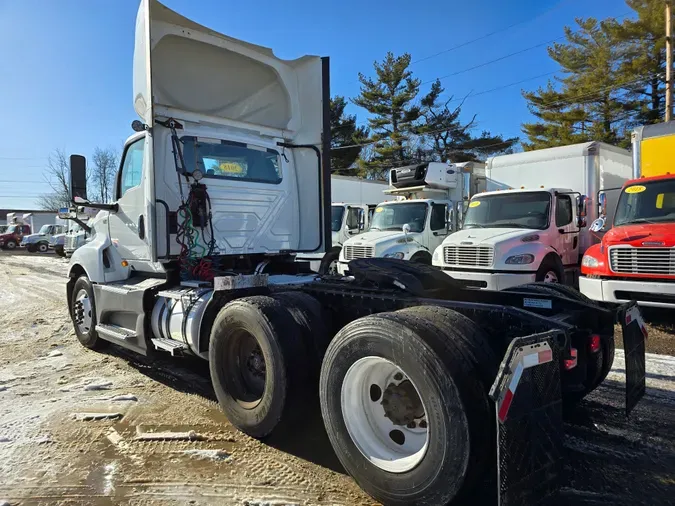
551,277
82,312
332,268
42,248
11,245
384,415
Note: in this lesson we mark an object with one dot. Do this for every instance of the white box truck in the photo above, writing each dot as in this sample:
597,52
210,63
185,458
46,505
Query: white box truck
427,203
353,202
531,223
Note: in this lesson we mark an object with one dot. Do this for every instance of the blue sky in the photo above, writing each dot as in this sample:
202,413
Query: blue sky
66,69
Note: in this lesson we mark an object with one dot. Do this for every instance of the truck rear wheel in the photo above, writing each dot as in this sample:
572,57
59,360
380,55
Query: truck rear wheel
83,314
257,364
407,426
313,320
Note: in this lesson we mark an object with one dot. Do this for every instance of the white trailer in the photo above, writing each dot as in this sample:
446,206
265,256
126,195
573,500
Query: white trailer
427,201
531,224
353,202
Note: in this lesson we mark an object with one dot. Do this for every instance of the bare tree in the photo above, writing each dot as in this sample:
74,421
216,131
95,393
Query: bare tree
104,168
57,175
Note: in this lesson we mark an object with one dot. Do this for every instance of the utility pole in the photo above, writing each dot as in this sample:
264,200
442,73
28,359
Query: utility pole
669,61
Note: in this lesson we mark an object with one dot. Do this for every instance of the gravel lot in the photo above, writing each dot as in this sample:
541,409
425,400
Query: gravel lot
164,441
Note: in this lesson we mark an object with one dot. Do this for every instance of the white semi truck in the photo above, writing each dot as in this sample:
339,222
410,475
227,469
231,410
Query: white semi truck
531,226
354,200
228,177
427,205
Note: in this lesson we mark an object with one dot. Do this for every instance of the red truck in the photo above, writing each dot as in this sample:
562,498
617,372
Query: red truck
11,238
636,258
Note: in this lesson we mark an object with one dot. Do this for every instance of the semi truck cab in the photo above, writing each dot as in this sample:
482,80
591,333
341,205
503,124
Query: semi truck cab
513,237
636,258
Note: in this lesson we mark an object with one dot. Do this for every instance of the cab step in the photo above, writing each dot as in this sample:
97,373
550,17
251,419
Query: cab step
115,331
176,348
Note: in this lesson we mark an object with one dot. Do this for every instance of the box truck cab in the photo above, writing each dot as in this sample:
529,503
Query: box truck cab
354,200
428,200
532,225
636,258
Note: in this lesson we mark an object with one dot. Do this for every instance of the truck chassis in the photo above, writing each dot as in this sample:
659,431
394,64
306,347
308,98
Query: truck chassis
408,364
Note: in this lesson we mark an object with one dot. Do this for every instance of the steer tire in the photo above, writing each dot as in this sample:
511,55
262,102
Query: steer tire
329,263
313,321
89,339
257,401
458,411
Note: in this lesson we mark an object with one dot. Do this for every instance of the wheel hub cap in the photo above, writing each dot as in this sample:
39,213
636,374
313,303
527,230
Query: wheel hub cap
401,403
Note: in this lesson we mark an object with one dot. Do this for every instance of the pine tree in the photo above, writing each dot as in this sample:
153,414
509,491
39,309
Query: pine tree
389,99
591,105
642,69
345,132
448,139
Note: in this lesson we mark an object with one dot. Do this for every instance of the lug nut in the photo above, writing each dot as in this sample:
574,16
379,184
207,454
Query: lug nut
411,425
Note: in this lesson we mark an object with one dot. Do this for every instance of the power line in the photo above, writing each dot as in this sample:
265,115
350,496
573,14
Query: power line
490,34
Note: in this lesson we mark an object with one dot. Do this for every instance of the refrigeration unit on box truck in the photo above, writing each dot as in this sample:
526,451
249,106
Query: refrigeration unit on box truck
531,225
636,258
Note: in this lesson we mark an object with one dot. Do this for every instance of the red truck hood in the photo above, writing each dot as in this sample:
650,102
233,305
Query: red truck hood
643,234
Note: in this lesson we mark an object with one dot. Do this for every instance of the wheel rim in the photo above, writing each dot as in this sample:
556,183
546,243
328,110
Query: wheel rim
82,312
245,369
11,245
384,415
42,248
551,277
332,268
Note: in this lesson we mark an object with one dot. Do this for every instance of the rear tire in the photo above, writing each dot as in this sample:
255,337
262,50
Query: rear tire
454,404
257,364
83,314
314,322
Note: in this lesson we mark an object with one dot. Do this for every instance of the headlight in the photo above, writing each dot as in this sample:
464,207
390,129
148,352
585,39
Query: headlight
520,259
589,261
398,254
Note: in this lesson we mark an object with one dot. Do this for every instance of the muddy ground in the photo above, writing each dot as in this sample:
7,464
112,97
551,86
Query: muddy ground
49,455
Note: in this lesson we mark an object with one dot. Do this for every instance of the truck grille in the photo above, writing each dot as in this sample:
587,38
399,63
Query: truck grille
71,242
352,252
642,260
468,256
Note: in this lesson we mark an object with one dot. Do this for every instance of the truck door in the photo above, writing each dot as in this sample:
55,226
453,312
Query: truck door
567,242
128,226
437,226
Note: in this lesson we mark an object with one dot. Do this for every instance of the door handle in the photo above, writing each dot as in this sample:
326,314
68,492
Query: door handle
141,227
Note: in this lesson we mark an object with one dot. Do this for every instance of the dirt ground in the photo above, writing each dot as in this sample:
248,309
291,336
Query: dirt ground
164,440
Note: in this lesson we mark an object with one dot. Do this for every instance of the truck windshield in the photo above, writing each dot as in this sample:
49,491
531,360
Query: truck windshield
13,229
45,229
394,216
337,212
652,202
509,210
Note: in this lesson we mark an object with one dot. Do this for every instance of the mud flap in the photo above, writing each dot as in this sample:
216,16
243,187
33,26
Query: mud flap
528,404
634,335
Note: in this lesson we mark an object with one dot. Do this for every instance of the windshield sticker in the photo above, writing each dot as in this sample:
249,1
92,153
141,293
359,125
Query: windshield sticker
475,203
232,168
635,189
378,209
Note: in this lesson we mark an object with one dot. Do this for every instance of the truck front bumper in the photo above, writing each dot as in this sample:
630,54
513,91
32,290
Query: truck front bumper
645,292
491,280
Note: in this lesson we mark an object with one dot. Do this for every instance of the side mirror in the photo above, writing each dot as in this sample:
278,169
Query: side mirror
602,204
450,224
78,177
64,213
598,225
362,220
